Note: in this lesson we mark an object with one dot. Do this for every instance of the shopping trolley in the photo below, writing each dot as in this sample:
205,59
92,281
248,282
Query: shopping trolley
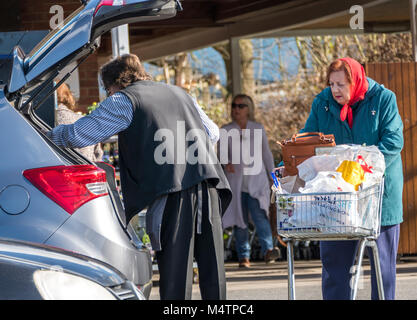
332,216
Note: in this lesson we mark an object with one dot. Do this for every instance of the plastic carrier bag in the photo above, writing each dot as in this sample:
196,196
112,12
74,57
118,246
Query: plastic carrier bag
369,158
309,169
352,173
334,198
319,210
334,212
327,181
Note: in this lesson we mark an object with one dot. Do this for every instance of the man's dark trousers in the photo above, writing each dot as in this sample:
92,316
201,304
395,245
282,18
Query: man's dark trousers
180,242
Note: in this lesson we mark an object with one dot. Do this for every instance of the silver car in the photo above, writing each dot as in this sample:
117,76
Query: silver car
52,195
31,271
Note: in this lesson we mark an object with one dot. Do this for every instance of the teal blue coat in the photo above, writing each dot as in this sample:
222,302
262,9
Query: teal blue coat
376,121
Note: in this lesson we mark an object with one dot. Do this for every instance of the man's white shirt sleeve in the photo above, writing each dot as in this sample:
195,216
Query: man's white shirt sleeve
114,115
211,128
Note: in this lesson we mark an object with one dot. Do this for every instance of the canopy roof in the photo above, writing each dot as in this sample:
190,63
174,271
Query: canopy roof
203,22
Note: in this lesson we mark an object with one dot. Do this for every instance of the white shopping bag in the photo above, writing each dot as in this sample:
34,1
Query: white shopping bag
308,169
327,181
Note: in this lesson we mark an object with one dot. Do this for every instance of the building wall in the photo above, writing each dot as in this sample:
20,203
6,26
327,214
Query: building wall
401,78
35,15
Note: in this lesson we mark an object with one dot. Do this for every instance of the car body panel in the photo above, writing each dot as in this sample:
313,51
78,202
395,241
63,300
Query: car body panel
70,39
24,149
93,229
56,258
15,130
17,75
115,246
20,260
97,228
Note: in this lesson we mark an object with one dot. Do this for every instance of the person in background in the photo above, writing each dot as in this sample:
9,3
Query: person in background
184,199
65,114
358,110
251,192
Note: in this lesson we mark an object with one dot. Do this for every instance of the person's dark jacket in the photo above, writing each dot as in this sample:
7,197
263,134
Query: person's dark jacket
158,150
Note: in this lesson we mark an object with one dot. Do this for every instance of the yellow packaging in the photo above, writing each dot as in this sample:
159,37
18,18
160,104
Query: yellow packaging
352,173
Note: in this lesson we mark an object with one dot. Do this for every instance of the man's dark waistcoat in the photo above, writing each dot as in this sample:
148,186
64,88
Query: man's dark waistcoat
158,151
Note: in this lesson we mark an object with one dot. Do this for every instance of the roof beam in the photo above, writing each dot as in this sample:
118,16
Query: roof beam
263,25
292,18
179,42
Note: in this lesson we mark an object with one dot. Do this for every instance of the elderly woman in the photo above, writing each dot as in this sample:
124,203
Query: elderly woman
358,110
65,114
250,182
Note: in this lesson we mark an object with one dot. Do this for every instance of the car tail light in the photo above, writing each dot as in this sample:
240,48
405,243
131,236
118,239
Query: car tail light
109,165
69,186
109,3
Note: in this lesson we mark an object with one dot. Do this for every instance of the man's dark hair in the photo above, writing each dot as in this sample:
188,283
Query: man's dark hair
123,71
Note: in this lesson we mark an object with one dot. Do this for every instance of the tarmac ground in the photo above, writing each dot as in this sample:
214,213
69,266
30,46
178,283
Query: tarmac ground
270,282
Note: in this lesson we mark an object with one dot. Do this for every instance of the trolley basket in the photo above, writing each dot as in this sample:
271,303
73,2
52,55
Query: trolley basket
330,216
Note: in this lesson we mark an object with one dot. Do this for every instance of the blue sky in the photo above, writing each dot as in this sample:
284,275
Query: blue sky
266,55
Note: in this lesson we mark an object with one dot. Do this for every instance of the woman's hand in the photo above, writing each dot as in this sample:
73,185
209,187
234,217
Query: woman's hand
281,172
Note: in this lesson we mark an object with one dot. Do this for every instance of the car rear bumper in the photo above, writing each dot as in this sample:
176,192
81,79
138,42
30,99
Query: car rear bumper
94,230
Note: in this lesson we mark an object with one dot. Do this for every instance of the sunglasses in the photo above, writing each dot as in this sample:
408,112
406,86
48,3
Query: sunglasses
239,105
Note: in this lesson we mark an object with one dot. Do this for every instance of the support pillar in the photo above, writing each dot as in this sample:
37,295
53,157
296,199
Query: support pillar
120,40
120,45
236,66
